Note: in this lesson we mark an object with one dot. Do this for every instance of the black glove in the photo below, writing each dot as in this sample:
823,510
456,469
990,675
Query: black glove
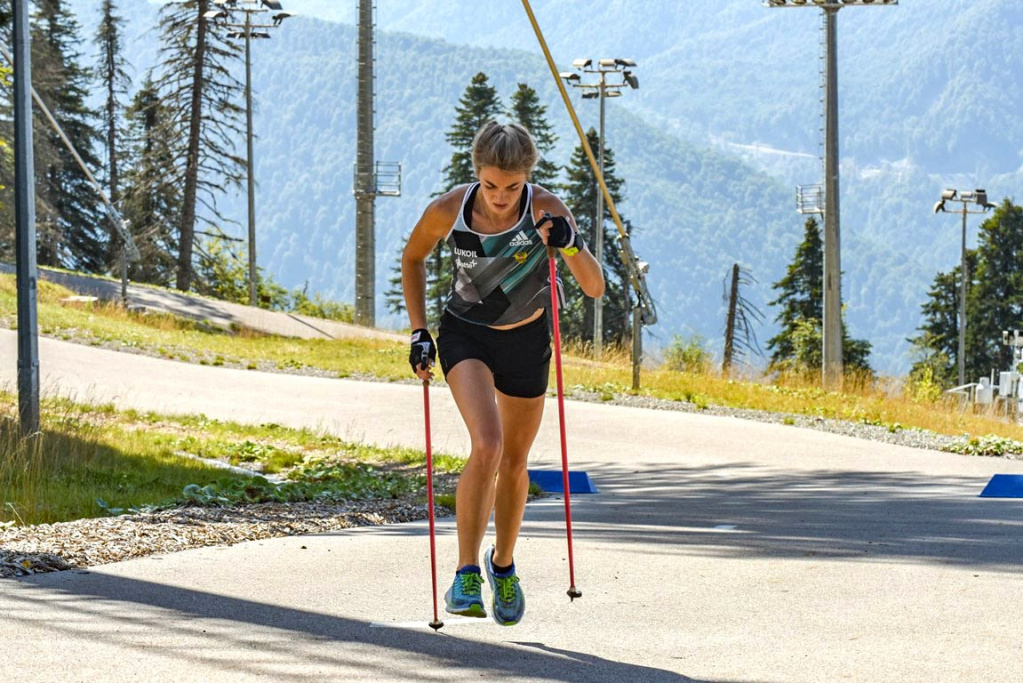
423,350
561,234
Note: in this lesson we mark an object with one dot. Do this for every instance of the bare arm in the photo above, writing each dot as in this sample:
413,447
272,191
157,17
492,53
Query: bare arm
431,228
583,265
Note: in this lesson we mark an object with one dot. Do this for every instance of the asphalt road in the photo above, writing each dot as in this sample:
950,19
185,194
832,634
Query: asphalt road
717,550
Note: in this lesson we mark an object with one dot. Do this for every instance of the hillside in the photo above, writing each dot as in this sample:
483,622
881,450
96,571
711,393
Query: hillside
723,126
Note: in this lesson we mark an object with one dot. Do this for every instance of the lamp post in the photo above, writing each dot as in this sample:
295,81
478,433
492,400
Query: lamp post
967,197
831,326
223,16
601,89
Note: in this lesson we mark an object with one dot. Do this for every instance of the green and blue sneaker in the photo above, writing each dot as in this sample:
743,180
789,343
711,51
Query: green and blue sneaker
509,603
465,597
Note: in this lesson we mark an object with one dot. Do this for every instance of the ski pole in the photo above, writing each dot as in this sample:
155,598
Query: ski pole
573,592
436,624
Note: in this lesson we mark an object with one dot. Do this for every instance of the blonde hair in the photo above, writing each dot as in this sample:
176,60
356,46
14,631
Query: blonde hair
509,147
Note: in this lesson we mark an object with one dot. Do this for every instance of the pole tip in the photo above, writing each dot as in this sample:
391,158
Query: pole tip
436,624
574,593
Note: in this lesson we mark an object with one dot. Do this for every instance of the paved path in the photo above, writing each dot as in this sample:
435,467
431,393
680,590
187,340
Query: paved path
718,550
220,313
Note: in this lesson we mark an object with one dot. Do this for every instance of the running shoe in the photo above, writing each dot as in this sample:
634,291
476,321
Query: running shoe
465,597
509,603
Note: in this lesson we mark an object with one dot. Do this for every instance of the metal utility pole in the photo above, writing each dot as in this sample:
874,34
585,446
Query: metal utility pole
966,197
247,30
598,228
602,89
365,192
25,227
831,325
372,178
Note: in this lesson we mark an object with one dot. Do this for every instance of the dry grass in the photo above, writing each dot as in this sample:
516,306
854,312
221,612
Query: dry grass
886,401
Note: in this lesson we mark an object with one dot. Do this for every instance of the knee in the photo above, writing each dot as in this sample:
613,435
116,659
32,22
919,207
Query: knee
487,450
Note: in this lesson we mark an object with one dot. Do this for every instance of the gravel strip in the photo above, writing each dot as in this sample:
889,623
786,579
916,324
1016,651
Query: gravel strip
90,542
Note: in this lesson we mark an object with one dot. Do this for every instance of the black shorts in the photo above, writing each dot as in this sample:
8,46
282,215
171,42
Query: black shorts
520,358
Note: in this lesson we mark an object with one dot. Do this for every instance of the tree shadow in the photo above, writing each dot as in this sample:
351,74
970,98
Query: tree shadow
81,600
851,515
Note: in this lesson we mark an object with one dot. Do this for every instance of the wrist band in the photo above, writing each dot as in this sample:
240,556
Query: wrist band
577,244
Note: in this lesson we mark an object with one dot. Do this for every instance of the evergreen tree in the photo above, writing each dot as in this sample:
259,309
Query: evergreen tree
479,104
802,292
394,297
937,345
202,99
115,81
71,222
152,199
798,344
528,111
580,195
994,301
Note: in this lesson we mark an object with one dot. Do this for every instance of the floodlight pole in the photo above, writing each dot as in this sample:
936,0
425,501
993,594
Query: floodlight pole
598,229
220,17
25,230
978,197
963,276
365,181
603,67
831,327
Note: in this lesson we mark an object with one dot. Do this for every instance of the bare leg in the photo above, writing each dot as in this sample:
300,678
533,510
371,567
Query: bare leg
520,419
472,386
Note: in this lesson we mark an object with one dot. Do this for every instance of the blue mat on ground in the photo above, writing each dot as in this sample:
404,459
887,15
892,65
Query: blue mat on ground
551,481
1004,486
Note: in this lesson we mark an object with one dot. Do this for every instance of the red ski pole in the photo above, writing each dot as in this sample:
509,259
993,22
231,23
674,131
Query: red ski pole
436,624
573,592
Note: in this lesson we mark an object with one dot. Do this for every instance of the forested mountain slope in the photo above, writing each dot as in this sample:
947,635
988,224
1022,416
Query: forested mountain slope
724,124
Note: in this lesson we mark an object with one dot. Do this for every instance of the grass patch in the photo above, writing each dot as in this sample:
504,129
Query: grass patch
177,338
90,461
887,402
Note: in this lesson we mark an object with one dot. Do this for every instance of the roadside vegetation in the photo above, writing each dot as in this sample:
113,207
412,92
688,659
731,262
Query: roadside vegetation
94,460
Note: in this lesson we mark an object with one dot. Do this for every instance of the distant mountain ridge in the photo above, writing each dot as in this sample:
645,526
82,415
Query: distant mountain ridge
928,99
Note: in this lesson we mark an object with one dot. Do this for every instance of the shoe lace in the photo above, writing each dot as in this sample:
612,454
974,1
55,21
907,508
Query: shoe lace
506,587
471,583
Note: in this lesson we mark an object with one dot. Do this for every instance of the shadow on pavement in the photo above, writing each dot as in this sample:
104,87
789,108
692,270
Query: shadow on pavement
838,515
850,515
91,601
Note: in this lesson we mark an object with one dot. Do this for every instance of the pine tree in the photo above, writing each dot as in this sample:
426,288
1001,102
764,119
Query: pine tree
994,301
71,222
802,292
116,82
202,99
798,345
152,199
937,345
480,103
528,111
580,195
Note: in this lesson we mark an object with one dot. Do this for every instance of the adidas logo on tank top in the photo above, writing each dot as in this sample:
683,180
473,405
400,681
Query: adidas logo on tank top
520,240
